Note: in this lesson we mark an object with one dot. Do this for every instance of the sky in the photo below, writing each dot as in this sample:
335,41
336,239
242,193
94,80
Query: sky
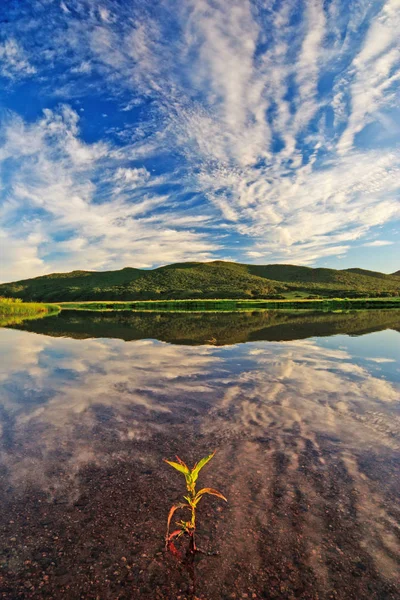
141,133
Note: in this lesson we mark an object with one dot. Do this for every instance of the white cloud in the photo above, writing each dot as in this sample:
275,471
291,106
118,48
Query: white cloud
105,14
307,67
131,177
377,243
293,210
20,257
14,62
382,360
84,67
52,178
233,84
376,69
64,7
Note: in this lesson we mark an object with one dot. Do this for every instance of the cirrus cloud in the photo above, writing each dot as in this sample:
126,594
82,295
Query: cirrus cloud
275,126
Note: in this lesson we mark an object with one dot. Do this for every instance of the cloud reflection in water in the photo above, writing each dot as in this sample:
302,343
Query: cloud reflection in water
60,386
67,404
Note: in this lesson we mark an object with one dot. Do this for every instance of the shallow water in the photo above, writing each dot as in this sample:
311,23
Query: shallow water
303,409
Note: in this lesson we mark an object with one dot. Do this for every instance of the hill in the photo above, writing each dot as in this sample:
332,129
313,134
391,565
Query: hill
216,279
369,273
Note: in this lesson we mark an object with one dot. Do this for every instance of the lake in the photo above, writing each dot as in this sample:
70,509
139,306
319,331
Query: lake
303,410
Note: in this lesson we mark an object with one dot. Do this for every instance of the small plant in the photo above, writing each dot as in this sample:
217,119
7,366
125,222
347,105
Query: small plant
192,500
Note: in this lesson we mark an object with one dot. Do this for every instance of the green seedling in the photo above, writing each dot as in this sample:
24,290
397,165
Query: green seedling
192,500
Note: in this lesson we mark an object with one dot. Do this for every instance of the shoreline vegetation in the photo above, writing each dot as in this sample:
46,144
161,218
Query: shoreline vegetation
326,304
14,311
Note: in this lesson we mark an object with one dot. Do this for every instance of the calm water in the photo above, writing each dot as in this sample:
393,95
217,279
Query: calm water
304,412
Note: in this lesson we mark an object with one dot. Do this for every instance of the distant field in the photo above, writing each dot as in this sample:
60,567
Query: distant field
233,304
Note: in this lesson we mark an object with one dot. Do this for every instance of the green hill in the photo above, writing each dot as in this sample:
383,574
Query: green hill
217,279
369,273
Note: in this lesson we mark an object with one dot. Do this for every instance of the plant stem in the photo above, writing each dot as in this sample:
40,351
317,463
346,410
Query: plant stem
193,525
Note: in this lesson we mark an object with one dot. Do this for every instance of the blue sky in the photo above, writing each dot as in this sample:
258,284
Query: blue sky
138,133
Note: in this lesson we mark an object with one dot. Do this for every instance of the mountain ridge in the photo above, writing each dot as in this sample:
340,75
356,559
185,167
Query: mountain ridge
216,279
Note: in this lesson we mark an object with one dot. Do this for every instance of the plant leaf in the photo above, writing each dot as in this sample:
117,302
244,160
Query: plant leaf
182,468
169,545
177,532
180,461
171,514
198,466
210,491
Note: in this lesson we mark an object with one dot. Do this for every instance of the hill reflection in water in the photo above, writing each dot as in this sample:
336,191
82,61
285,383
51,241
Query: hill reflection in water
219,328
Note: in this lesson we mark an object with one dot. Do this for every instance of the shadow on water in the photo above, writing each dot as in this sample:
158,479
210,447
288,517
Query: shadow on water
305,420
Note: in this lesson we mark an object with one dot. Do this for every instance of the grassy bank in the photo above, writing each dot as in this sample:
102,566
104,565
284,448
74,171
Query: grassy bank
328,304
13,310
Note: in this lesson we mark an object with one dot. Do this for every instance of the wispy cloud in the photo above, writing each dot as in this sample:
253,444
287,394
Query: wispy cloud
374,72
377,243
259,117
14,61
80,205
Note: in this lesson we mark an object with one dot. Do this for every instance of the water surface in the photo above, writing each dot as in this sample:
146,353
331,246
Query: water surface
303,410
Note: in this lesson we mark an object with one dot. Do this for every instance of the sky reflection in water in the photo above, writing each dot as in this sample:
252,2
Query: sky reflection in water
69,403
342,386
